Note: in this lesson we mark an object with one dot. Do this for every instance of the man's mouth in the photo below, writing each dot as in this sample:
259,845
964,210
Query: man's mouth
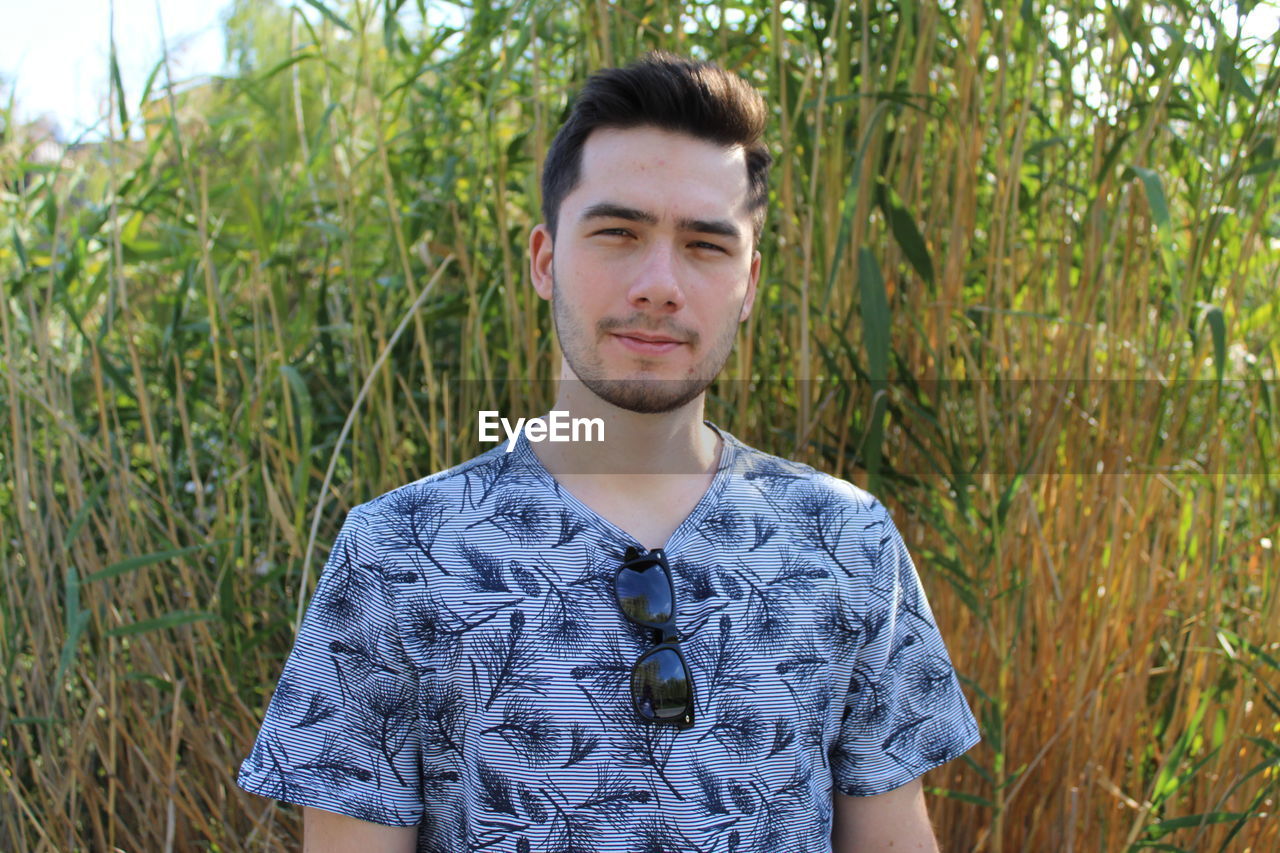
646,344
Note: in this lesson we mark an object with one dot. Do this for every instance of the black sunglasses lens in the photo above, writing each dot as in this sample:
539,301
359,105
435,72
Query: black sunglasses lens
644,594
660,685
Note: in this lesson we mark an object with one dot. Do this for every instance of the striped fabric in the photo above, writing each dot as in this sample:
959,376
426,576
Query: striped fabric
464,667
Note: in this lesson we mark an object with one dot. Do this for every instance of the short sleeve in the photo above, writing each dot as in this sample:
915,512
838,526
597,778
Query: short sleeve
340,733
904,710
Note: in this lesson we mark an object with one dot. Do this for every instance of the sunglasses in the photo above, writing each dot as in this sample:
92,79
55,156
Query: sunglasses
661,685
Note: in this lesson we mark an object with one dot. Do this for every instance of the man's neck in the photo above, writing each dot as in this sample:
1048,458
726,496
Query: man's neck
677,444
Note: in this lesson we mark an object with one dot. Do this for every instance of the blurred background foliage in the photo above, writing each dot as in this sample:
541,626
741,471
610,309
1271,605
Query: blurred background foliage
1019,280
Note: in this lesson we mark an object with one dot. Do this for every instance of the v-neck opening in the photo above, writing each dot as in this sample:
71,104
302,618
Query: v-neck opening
728,453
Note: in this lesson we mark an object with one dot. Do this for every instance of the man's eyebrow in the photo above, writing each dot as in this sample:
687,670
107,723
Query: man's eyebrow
721,227
609,210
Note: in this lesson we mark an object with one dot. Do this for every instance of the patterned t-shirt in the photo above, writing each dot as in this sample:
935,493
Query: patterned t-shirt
464,666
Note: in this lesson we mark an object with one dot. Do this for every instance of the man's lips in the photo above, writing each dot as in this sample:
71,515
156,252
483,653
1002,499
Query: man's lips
646,344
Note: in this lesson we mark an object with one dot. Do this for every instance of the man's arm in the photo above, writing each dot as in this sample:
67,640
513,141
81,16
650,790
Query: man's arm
326,832
895,820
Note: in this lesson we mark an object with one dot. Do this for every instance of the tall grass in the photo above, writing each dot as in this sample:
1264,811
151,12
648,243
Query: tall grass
1019,280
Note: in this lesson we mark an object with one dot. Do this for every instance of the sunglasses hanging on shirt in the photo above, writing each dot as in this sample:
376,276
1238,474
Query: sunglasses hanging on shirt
661,684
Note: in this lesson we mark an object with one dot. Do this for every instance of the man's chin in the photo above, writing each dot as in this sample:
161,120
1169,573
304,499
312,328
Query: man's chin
647,396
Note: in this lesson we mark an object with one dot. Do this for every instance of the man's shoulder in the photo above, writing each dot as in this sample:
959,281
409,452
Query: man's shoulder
451,491
799,482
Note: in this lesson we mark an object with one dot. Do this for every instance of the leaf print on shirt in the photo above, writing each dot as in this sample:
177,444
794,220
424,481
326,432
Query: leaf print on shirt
802,663
484,570
762,531
656,835
775,474
693,582
901,736
412,520
738,727
374,810
436,779
509,660
819,521
533,805
357,656
496,792
570,526
613,796
334,764
940,742
865,701
635,740
481,479
767,617
565,619
285,697
318,709
573,827
710,787
528,729
520,518
771,809
928,678
385,719
339,600
722,528
270,754
608,668
720,663
444,713
581,745
436,630
797,574
839,628
783,735
525,578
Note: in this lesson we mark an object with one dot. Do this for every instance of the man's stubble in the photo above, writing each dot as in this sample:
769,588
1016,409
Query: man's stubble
643,396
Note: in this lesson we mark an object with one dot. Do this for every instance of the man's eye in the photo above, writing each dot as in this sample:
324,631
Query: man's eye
702,244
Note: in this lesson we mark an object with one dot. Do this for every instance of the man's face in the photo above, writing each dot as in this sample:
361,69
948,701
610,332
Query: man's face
653,267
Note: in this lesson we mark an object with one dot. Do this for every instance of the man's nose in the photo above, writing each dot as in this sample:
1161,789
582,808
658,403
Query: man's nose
656,285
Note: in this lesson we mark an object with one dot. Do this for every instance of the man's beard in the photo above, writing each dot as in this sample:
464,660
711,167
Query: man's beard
643,396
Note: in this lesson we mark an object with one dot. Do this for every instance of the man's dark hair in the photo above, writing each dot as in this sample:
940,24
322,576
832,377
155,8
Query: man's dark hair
671,93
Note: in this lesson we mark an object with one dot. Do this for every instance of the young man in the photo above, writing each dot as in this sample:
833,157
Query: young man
663,641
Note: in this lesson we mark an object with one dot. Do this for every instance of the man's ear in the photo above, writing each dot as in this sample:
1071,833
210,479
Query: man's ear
753,278
540,252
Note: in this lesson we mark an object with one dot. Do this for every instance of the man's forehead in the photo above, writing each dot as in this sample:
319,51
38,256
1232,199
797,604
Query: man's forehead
648,168
649,144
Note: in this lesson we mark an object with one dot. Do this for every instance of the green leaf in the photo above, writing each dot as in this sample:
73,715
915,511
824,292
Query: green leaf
330,14
20,249
1230,77
141,560
850,202
1212,315
875,315
76,621
1155,194
875,337
169,620
903,226
1164,827
118,85
1264,166
82,515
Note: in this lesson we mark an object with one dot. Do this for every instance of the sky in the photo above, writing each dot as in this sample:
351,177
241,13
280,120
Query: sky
54,54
